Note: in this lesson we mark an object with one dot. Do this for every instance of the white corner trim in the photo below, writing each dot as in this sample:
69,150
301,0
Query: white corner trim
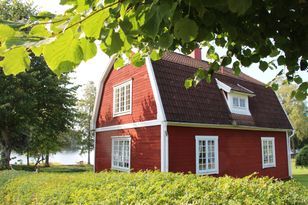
269,165
129,125
216,145
288,138
99,92
223,86
164,152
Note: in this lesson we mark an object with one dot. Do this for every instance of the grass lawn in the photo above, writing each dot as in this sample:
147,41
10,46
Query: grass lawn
300,174
56,168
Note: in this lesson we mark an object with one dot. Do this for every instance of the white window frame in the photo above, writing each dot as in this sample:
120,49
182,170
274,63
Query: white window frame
119,86
272,164
238,109
207,138
121,138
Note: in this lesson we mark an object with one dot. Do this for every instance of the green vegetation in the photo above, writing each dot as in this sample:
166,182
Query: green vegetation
300,174
302,157
145,188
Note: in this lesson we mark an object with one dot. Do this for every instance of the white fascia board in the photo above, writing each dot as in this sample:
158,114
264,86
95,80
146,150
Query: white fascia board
98,97
148,123
285,112
223,86
236,127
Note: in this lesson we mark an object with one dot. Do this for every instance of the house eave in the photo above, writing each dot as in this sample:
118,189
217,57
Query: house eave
221,126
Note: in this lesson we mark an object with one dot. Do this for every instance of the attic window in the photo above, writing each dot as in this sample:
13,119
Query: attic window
236,97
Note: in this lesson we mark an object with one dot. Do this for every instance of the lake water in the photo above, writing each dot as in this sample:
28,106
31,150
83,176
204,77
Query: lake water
65,157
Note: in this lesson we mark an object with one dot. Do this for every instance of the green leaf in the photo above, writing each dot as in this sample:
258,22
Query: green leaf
93,25
226,61
188,83
138,60
6,32
155,55
165,40
15,61
40,31
275,86
88,48
263,65
236,68
119,63
186,30
298,79
214,66
114,43
154,19
63,54
239,6
281,60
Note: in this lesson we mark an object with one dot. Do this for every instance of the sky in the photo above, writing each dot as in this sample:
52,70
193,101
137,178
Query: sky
93,69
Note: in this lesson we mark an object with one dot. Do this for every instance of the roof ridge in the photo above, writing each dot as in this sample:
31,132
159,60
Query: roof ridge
206,65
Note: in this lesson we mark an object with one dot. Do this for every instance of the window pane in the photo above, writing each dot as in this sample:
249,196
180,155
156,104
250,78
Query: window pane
235,101
242,102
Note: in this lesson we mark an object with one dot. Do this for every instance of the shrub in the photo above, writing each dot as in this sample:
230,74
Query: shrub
148,188
302,157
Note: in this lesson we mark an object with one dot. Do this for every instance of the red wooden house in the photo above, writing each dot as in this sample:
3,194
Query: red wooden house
145,119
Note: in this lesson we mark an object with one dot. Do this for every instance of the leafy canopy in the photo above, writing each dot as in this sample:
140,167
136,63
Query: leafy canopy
249,31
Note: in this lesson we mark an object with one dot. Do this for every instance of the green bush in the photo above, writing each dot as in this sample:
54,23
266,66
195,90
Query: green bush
148,188
302,157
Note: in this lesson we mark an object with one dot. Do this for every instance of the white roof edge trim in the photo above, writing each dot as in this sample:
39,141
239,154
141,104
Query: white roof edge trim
285,112
160,108
99,92
245,88
223,86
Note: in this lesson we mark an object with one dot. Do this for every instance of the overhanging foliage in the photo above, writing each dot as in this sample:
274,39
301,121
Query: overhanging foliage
249,30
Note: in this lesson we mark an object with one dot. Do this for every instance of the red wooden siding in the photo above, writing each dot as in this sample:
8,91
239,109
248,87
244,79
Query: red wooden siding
145,148
239,151
143,105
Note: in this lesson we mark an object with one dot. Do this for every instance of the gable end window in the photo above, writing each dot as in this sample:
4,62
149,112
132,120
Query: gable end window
207,155
268,152
122,99
120,157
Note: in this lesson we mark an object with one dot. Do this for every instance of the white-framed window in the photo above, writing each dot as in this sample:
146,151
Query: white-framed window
207,155
268,152
120,156
238,103
122,98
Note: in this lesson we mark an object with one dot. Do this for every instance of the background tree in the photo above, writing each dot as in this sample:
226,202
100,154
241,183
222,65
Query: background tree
35,106
296,111
249,31
85,107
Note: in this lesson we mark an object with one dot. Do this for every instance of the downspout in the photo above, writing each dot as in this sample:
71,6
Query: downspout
289,152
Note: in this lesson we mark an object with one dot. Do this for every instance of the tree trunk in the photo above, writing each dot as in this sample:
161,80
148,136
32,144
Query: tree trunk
89,160
5,150
47,160
28,159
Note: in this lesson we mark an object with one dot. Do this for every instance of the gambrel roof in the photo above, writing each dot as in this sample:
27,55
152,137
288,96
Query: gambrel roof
206,103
